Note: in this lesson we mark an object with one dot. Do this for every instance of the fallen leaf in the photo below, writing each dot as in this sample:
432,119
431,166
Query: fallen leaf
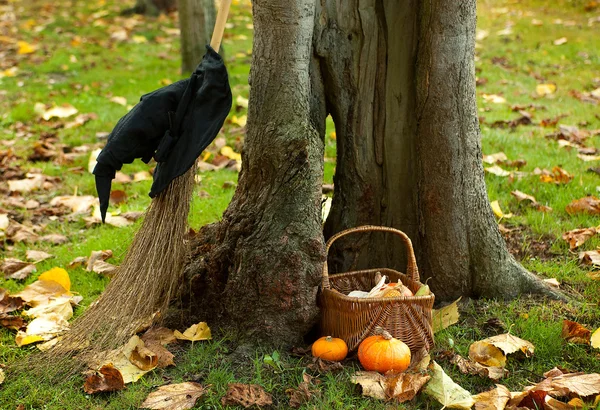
81,119
241,102
194,333
239,121
590,258
32,182
60,306
106,379
578,237
12,265
400,387
595,339
119,100
493,98
17,232
442,388
510,344
12,322
63,111
22,273
103,268
165,358
41,291
98,256
174,396
498,211
228,152
9,303
2,378
581,384
42,328
552,282
560,41
160,335
77,204
446,316
534,399
557,176
487,354
321,366
246,395
117,196
496,170
470,367
588,205
302,394
25,47
142,176
54,238
494,399
58,275
78,261
122,359
545,89
574,332
37,256
521,196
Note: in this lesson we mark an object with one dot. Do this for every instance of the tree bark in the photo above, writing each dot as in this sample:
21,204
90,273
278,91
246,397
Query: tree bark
196,22
259,267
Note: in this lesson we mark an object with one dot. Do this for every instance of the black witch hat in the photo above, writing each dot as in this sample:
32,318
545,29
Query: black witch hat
173,125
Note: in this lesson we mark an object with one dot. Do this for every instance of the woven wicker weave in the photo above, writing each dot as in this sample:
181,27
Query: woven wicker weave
353,319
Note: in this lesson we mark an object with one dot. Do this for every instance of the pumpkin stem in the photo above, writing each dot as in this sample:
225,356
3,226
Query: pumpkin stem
328,338
379,331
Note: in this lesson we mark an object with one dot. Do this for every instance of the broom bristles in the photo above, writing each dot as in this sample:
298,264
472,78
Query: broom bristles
142,286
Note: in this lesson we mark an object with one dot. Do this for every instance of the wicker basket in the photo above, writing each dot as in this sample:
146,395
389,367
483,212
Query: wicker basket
353,319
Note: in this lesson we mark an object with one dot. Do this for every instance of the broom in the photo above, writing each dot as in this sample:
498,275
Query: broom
147,279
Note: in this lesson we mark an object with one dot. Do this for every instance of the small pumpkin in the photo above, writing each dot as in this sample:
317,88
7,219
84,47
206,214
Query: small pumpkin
330,348
382,353
393,293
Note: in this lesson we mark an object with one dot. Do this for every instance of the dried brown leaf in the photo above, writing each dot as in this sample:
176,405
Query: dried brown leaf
246,395
165,358
22,273
9,303
160,335
580,384
494,399
179,396
578,237
37,256
303,394
400,387
590,258
487,354
319,365
511,344
470,367
12,322
574,332
589,205
108,378
12,265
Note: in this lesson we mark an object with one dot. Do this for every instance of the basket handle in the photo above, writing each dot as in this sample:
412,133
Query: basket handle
411,270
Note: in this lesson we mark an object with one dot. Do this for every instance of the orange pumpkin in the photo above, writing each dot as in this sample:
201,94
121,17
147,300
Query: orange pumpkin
393,293
330,348
382,353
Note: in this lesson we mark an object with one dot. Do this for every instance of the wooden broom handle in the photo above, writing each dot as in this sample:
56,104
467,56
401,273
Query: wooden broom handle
217,36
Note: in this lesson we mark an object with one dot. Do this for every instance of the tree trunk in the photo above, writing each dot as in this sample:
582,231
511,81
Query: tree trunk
398,80
152,7
196,22
400,83
259,267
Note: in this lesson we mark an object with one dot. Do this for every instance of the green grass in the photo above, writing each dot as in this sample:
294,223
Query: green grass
76,62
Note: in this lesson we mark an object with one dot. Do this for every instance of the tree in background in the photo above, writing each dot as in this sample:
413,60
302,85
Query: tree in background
196,22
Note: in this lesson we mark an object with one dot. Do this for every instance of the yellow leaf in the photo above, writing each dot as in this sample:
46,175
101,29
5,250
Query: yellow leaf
498,212
194,333
228,152
595,340
494,399
493,98
175,396
444,317
9,72
133,360
165,81
58,275
64,111
25,47
442,388
22,339
241,121
545,89
511,344
139,39
487,354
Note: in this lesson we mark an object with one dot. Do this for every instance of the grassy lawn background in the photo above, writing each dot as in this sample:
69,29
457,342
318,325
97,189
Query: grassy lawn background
82,58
